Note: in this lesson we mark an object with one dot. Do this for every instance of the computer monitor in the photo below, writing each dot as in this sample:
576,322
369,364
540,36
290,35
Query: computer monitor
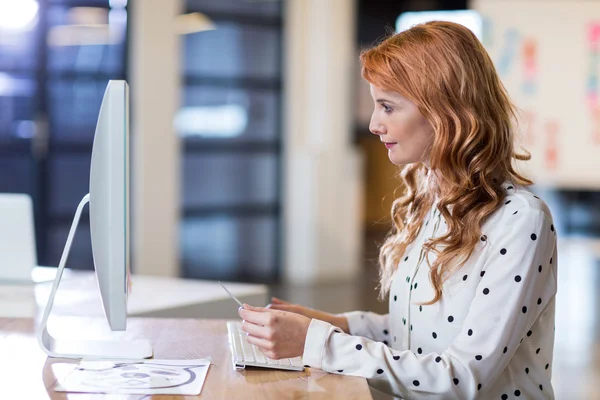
109,203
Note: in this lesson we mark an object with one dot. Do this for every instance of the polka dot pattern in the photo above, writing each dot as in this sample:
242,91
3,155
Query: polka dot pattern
503,294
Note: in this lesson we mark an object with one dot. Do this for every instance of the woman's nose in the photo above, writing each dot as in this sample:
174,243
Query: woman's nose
376,128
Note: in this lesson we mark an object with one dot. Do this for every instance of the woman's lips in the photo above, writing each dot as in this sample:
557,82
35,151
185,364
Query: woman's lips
390,145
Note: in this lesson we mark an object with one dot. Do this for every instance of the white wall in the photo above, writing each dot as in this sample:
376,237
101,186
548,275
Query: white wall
545,58
323,170
155,92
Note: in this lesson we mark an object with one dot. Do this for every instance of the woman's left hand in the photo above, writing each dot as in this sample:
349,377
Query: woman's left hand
278,334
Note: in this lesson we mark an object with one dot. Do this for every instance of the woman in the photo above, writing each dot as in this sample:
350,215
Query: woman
470,264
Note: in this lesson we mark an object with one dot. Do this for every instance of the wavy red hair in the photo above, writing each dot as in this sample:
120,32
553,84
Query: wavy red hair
444,69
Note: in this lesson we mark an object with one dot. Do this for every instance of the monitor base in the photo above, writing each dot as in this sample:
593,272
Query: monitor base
95,349
88,349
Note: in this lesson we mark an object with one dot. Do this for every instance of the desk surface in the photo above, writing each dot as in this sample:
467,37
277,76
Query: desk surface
151,296
26,372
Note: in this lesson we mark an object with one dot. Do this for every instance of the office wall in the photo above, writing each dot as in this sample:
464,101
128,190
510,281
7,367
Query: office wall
548,57
155,175
323,169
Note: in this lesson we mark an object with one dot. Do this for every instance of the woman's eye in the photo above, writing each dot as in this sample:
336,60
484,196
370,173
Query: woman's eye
387,109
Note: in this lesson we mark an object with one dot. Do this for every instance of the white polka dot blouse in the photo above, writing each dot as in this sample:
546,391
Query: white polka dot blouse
491,336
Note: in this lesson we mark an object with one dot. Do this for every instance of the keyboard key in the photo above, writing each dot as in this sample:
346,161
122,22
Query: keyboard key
259,356
297,362
247,350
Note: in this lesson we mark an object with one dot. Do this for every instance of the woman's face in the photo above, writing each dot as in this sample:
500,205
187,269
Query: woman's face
407,135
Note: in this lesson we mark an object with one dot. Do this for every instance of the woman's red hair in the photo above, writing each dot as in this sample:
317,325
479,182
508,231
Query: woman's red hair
443,68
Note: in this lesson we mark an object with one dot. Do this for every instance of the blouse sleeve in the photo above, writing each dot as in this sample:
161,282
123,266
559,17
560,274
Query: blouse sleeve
518,283
368,324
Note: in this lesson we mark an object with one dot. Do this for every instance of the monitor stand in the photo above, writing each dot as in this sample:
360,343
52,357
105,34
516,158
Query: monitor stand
88,349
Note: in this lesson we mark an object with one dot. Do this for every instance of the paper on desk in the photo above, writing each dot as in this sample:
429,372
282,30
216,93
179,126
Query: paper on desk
184,377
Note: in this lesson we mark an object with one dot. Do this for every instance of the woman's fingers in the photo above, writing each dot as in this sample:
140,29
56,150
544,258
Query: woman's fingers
255,330
264,345
275,300
262,317
283,307
283,334
253,308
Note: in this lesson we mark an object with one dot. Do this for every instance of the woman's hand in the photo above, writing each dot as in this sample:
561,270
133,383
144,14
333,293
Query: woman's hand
278,334
337,320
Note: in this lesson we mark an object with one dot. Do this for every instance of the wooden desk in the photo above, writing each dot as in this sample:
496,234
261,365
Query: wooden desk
26,373
152,296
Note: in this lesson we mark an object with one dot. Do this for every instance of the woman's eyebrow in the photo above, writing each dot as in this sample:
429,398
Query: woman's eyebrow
385,101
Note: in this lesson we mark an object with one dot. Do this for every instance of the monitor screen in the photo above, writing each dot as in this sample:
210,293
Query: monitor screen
109,202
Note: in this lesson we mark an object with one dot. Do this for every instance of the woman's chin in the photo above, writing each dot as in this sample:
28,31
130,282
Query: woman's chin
399,160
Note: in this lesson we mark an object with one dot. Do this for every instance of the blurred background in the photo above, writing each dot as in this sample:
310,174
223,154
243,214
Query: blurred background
251,155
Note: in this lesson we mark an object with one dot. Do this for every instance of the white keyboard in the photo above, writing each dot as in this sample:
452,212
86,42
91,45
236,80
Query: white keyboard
245,354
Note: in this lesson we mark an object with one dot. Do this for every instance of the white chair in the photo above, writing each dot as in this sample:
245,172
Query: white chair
17,238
